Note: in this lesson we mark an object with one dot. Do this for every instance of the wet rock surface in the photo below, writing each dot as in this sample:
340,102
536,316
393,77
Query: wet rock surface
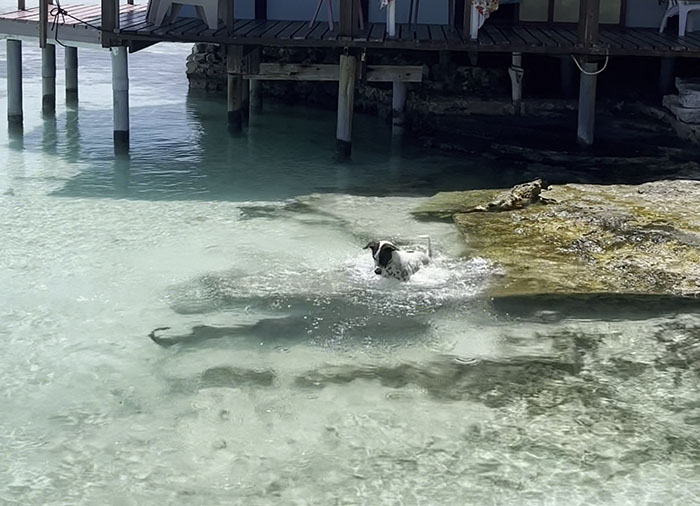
634,239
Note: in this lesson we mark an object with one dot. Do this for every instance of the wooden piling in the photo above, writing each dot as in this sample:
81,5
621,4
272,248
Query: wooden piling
346,103
14,82
398,103
234,71
667,77
516,73
48,79
256,96
588,30
586,104
71,67
567,77
120,97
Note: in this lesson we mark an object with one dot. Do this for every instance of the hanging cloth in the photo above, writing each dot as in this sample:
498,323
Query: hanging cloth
485,7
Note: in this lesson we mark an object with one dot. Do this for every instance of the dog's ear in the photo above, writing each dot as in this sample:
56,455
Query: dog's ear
373,245
385,254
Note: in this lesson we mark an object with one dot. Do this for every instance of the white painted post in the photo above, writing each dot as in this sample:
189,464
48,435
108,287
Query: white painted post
48,79
71,65
346,104
398,103
14,82
391,18
120,96
586,103
516,74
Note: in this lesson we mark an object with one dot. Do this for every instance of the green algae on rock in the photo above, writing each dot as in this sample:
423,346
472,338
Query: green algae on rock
627,239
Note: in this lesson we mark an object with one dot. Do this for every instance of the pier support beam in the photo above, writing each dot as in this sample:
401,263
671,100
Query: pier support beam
667,76
71,66
48,79
14,82
586,103
120,97
398,103
256,96
567,77
346,104
234,71
516,74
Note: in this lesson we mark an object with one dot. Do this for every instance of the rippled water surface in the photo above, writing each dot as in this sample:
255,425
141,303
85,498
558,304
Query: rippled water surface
289,373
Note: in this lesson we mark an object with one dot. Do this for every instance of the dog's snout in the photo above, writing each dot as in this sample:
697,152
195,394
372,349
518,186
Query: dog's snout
377,271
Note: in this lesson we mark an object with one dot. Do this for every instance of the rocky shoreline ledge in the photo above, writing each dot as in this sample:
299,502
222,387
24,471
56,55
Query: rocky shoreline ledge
591,239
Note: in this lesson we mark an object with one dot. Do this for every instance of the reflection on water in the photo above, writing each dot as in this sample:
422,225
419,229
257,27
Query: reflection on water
288,372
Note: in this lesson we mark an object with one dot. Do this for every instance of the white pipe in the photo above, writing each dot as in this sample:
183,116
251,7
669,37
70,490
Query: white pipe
14,81
71,65
48,78
120,94
391,18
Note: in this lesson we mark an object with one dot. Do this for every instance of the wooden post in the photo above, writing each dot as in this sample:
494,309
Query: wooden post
348,17
589,15
516,74
467,20
260,9
48,79
71,67
120,97
667,76
256,96
398,103
14,82
346,104
43,22
567,77
229,18
588,22
110,20
21,5
234,71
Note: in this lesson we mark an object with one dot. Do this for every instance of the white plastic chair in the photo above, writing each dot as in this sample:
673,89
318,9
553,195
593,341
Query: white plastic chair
208,11
680,8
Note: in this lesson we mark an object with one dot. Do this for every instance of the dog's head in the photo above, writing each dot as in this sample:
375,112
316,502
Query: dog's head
381,253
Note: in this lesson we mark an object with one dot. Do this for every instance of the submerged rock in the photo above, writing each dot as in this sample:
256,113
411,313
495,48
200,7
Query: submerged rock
624,239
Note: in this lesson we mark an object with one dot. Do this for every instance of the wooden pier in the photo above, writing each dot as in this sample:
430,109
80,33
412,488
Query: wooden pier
127,27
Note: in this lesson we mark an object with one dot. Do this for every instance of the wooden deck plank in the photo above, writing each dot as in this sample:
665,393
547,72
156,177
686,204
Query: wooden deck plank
273,32
423,33
195,25
16,15
377,32
555,36
498,38
527,37
691,40
318,32
258,31
175,29
305,30
452,35
673,43
363,35
436,33
291,29
626,43
405,32
544,37
609,42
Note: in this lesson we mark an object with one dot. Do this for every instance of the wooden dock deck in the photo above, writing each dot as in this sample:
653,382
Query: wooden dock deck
134,30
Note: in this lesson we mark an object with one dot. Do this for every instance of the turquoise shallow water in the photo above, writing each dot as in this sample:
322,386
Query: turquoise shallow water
296,376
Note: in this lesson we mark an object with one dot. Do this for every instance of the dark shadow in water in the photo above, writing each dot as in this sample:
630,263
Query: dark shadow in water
550,308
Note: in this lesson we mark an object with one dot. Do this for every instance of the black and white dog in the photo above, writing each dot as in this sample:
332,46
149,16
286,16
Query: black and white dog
392,262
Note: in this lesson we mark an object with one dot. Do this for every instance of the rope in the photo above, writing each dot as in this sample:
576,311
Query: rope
59,12
585,72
